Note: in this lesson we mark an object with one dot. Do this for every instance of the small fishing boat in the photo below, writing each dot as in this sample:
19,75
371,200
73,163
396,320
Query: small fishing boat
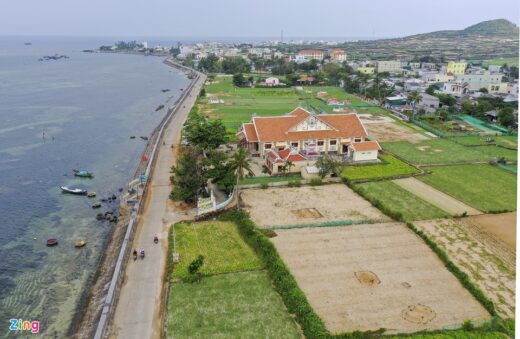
91,194
82,173
96,205
144,138
80,243
77,191
132,137
52,242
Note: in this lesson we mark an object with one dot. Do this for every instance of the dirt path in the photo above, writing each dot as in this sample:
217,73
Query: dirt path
436,197
138,312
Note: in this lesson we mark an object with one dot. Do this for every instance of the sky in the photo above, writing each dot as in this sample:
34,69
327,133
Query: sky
246,18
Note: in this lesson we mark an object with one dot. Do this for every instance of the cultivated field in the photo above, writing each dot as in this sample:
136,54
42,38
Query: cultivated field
366,277
234,305
220,244
509,141
482,186
391,131
399,200
442,151
501,226
307,205
436,197
488,262
390,167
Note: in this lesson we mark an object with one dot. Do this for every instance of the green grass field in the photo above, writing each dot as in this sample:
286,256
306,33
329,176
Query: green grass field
399,200
500,62
219,242
482,186
391,168
443,151
268,179
510,141
234,305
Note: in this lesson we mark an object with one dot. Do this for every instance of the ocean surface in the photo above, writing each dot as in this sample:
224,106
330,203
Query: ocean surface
55,116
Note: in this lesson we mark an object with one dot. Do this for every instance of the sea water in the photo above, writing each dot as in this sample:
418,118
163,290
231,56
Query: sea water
58,115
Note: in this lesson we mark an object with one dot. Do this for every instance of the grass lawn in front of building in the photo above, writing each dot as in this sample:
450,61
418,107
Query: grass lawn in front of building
391,167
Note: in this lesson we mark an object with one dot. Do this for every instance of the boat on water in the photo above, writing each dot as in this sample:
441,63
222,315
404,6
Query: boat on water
91,194
52,242
80,243
82,173
77,191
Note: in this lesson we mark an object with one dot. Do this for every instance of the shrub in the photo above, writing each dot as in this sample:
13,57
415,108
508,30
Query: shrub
468,325
269,233
264,185
296,183
316,182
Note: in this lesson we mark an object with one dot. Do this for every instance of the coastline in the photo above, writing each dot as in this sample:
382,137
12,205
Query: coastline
93,301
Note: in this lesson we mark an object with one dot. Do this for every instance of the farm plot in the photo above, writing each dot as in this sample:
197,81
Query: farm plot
400,201
308,205
234,305
488,262
390,167
501,226
441,151
435,197
367,277
391,131
482,186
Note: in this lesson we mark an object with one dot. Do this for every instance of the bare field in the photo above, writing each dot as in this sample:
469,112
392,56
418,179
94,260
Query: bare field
367,277
502,226
307,205
390,131
489,262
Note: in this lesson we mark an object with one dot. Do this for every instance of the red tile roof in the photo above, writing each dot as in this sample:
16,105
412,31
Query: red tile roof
366,146
265,129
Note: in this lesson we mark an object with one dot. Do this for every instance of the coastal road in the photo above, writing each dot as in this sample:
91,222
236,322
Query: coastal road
138,311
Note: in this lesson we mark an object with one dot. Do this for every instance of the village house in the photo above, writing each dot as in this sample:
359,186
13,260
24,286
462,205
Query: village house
272,82
310,54
456,68
300,136
429,103
389,66
338,55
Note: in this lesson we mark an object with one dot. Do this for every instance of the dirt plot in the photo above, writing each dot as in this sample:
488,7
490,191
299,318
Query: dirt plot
390,131
436,197
366,277
308,204
502,226
488,262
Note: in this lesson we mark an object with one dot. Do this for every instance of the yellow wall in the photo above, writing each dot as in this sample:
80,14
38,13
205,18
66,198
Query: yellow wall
456,67
366,70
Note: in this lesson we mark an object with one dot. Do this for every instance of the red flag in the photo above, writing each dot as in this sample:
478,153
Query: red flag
144,157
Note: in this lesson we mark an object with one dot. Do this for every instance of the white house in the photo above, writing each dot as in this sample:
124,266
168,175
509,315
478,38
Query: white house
272,81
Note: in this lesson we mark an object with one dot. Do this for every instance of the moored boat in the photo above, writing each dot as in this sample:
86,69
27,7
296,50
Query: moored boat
80,243
77,191
83,173
91,194
52,242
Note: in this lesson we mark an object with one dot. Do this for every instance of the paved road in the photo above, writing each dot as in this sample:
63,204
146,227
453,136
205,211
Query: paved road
436,197
138,312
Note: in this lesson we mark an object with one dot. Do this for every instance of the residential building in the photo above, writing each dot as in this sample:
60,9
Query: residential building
310,54
494,68
455,88
429,65
272,81
415,65
479,80
456,68
366,70
388,66
429,103
338,55
500,87
309,135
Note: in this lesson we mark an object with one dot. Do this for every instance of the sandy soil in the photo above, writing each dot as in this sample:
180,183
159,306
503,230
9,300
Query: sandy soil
367,277
367,118
489,262
307,205
502,226
436,197
390,131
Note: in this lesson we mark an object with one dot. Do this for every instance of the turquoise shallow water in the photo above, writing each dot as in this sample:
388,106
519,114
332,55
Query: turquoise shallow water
87,106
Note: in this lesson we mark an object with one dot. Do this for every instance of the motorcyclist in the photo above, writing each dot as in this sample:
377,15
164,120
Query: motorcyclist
135,254
155,239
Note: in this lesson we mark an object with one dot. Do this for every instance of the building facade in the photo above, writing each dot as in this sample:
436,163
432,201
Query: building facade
310,54
389,66
456,68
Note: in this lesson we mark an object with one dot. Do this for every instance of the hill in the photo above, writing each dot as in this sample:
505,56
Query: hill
498,27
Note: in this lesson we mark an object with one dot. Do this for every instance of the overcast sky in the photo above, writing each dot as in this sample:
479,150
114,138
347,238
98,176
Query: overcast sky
246,18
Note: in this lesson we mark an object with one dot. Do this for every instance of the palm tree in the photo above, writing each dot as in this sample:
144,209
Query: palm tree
241,166
414,98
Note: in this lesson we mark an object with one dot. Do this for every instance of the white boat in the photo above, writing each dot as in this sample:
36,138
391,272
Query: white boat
78,191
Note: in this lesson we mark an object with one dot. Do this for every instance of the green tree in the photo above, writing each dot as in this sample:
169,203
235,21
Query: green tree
328,165
194,268
431,90
483,90
414,98
240,165
206,134
187,177
506,117
239,80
